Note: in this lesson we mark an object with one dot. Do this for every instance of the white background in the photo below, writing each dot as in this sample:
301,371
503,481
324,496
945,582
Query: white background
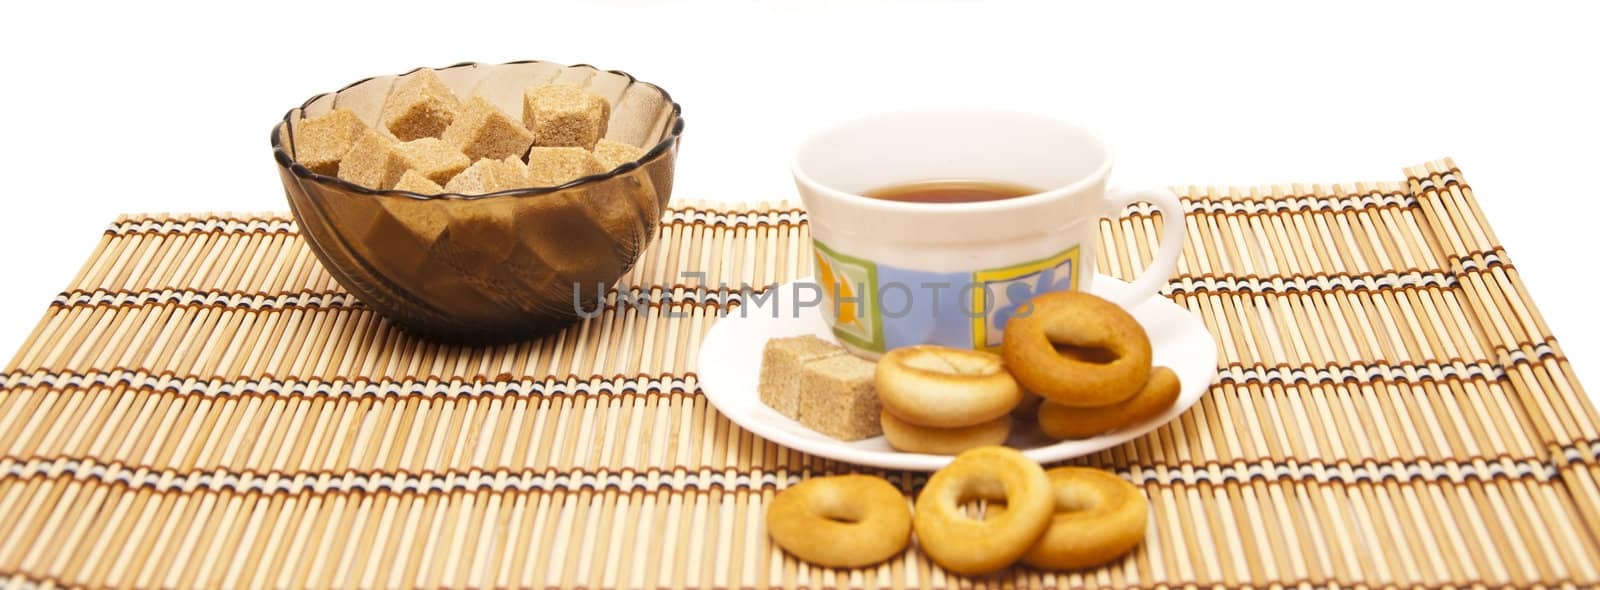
143,107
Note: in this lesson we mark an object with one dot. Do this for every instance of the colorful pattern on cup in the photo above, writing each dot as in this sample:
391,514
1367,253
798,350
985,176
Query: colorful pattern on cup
878,307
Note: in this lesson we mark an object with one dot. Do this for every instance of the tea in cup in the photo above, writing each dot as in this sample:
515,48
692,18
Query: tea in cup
937,227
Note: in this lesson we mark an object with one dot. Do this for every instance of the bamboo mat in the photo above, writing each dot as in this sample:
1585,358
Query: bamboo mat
204,407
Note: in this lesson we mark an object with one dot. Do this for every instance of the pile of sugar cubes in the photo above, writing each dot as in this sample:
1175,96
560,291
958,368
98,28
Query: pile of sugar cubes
430,142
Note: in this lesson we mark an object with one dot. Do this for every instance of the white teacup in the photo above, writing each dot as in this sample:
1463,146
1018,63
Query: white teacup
899,273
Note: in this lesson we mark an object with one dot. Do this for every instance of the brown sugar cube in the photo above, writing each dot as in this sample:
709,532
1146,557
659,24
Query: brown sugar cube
320,142
563,115
372,162
615,153
482,130
489,176
407,229
551,166
837,398
781,363
415,182
435,159
420,105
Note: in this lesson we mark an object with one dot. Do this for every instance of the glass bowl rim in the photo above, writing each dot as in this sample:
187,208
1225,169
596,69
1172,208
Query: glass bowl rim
301,171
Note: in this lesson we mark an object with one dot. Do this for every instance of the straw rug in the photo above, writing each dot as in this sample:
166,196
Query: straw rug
204,407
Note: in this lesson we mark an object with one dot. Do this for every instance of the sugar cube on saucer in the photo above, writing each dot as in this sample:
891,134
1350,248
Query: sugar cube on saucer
781,363
837,398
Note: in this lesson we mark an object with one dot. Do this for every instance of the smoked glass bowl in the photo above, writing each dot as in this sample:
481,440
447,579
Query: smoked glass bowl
510,265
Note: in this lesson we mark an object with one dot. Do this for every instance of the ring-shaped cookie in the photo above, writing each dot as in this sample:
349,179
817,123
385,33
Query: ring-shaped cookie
840,520
943,387
1103,355
965,545
905,436
1159,392
1098,517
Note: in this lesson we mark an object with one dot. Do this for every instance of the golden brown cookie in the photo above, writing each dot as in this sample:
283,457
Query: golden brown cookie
841,520
1077,350
1098,518
905,436
943,387
967,546
1159,392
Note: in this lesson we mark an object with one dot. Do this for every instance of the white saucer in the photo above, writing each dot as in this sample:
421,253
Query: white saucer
730,367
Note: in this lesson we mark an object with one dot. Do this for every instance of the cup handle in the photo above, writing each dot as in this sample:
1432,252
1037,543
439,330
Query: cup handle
1165,262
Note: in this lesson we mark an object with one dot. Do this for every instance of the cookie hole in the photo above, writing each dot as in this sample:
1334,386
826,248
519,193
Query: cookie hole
982,504
929,361
840,518
977,493
990,510
981,510
840,511
1086,354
